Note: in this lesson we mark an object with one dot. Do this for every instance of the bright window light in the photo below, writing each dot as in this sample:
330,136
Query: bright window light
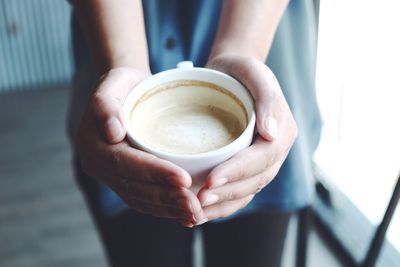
358,87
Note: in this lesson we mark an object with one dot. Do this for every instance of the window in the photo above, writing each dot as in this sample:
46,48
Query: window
358,88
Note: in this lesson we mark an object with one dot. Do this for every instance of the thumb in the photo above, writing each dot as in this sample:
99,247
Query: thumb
108,98
263,86
267,94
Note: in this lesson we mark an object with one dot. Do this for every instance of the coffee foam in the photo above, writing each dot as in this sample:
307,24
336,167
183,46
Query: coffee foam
188,117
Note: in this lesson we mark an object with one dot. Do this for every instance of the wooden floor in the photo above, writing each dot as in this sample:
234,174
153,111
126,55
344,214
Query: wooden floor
43,219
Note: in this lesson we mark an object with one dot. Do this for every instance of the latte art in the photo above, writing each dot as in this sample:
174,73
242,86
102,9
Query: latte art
188,117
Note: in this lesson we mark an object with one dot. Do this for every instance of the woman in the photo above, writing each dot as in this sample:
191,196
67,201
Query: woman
246,203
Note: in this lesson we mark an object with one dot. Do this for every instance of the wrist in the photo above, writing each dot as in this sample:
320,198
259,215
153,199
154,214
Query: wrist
128,72
229,61
223,51
129,63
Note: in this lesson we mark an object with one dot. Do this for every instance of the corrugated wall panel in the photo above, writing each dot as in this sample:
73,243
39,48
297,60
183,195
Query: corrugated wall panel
35,47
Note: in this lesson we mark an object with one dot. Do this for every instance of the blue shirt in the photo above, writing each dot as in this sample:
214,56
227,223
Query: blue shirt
184,30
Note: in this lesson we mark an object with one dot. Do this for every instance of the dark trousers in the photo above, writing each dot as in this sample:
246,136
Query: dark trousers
134,239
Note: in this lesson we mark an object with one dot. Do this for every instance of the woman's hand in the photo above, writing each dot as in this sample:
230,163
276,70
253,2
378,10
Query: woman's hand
146,183
233,184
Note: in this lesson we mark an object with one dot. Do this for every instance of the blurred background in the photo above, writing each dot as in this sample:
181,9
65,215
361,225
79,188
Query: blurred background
44,220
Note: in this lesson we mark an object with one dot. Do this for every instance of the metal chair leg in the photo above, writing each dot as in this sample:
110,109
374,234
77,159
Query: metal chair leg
379,237
303,226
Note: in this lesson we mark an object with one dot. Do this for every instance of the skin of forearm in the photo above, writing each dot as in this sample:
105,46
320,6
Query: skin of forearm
248,27
115,33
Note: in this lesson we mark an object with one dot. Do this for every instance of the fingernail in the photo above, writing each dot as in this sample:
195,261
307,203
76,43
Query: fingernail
219,182
271,126
210,199
197,218
114,129
187,224
202,221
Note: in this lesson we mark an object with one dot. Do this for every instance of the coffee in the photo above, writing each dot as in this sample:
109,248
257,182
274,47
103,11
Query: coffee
188,117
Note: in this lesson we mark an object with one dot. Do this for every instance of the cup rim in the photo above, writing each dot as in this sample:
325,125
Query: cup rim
133,140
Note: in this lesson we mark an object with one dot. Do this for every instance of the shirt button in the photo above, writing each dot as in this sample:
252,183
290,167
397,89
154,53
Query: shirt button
170,43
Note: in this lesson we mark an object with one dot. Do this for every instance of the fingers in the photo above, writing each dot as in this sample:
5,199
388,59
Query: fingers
249,162
105,162
263,86
224,209
108,98
146,183
158,211
179,203
136,165
179,198
237,190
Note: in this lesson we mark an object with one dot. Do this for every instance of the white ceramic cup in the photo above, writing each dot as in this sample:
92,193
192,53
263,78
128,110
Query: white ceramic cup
197,165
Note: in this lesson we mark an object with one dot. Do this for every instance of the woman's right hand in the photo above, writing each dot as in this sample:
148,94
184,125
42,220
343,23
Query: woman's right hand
146,183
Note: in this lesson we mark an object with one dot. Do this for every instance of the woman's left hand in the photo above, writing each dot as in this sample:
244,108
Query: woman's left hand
233,184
